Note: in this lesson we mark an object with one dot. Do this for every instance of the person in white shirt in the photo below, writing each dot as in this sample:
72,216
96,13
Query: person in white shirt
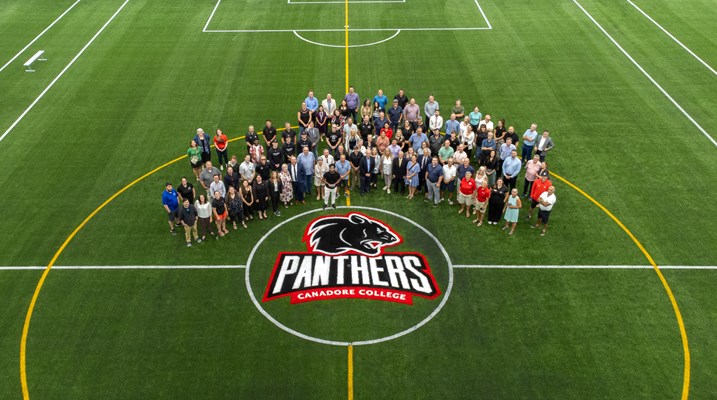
545,205
449,180
328,158
436,121
329,104
487,122
545,144
247,170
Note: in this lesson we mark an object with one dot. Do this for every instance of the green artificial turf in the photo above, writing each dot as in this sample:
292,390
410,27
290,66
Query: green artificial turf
135,97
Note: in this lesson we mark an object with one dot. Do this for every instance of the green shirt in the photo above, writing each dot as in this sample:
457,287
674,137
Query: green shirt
445,153
194,151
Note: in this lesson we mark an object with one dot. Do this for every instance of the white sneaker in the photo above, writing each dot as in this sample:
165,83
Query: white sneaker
221,167
450,201
385,187
388,190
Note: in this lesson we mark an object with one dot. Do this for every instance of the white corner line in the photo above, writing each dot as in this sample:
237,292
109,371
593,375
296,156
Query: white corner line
38,36
211,16
664,92
680,267
62,72
673,38
483,14
117,267
350,46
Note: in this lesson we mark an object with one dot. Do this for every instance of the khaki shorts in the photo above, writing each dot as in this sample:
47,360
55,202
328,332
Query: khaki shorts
481,206
463,199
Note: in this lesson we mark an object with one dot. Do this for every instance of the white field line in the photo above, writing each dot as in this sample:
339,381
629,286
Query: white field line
17,121
673,38
38,36
343,46
350,2
458,266
664,92
209,20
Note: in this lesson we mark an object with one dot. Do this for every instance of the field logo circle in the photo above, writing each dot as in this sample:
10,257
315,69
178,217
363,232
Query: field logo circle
349,257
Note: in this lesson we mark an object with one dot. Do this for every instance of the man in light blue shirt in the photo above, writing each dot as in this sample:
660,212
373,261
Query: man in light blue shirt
417,138
343,167
312,103
381,99
529,142
452,125
307,160
352,101
511,167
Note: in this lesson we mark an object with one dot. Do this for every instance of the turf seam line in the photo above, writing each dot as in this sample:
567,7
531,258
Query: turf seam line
672,37
456,266
17,121
654,82
38,36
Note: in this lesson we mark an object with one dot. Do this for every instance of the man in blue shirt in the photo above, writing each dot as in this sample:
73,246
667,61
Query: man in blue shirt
452,125
395,115
511,167
434,177
352,101
529,142
307,160
463,168
416,139
170,201
380,99
312,103
343,167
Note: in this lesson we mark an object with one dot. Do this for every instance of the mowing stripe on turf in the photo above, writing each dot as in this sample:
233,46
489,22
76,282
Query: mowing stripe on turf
38,36
17,121
654,82
458,266
673,38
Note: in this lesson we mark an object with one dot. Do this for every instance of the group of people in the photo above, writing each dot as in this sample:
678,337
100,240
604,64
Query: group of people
410,150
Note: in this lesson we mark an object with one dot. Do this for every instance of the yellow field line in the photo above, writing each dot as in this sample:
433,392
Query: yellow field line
346,46
351,372
38,288
675,307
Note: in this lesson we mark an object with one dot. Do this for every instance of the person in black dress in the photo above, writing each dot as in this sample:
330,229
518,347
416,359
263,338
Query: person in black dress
498,196
234,205
261,196
247,197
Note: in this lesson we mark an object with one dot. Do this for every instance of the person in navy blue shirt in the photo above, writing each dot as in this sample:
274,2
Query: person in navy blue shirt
366,167
170,201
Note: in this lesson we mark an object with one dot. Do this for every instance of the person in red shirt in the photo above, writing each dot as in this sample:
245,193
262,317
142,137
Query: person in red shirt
220,142
540,186
466,190
482,196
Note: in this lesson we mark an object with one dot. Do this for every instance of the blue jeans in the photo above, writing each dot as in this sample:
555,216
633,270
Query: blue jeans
527,152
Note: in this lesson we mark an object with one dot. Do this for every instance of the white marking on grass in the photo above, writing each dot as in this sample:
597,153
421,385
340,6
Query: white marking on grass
673,38
350,2
364,342
38,36
206,25
343,46
664,92
17,121
457,266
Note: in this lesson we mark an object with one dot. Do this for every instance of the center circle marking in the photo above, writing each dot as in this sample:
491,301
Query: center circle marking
363,342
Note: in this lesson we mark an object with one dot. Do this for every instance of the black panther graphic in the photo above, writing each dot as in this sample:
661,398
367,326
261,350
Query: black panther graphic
352,233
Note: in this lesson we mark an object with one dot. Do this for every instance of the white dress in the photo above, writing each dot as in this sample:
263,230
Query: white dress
386,165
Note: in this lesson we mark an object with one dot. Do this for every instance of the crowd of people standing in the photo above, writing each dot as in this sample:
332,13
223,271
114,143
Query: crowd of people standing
395,145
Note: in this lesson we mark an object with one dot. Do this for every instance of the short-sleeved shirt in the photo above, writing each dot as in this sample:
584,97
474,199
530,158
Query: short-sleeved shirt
343,168
269,133
550,198
468,186
462,171
483,194
445,153
531,137
449,172
251,137
187,192
170,199
332,179
246,170
434,172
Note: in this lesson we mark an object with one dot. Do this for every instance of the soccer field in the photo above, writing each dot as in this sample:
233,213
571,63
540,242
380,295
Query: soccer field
100,301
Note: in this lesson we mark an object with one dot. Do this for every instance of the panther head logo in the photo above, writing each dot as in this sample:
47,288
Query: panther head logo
352,233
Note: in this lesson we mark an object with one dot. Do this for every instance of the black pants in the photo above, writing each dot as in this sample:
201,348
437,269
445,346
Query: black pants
495,209
528,185
275,201
510,182
365,183
399,185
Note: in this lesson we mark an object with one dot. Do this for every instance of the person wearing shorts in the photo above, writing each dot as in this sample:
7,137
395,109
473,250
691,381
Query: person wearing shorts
481,203
546,202
466,189
219,209
170,202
